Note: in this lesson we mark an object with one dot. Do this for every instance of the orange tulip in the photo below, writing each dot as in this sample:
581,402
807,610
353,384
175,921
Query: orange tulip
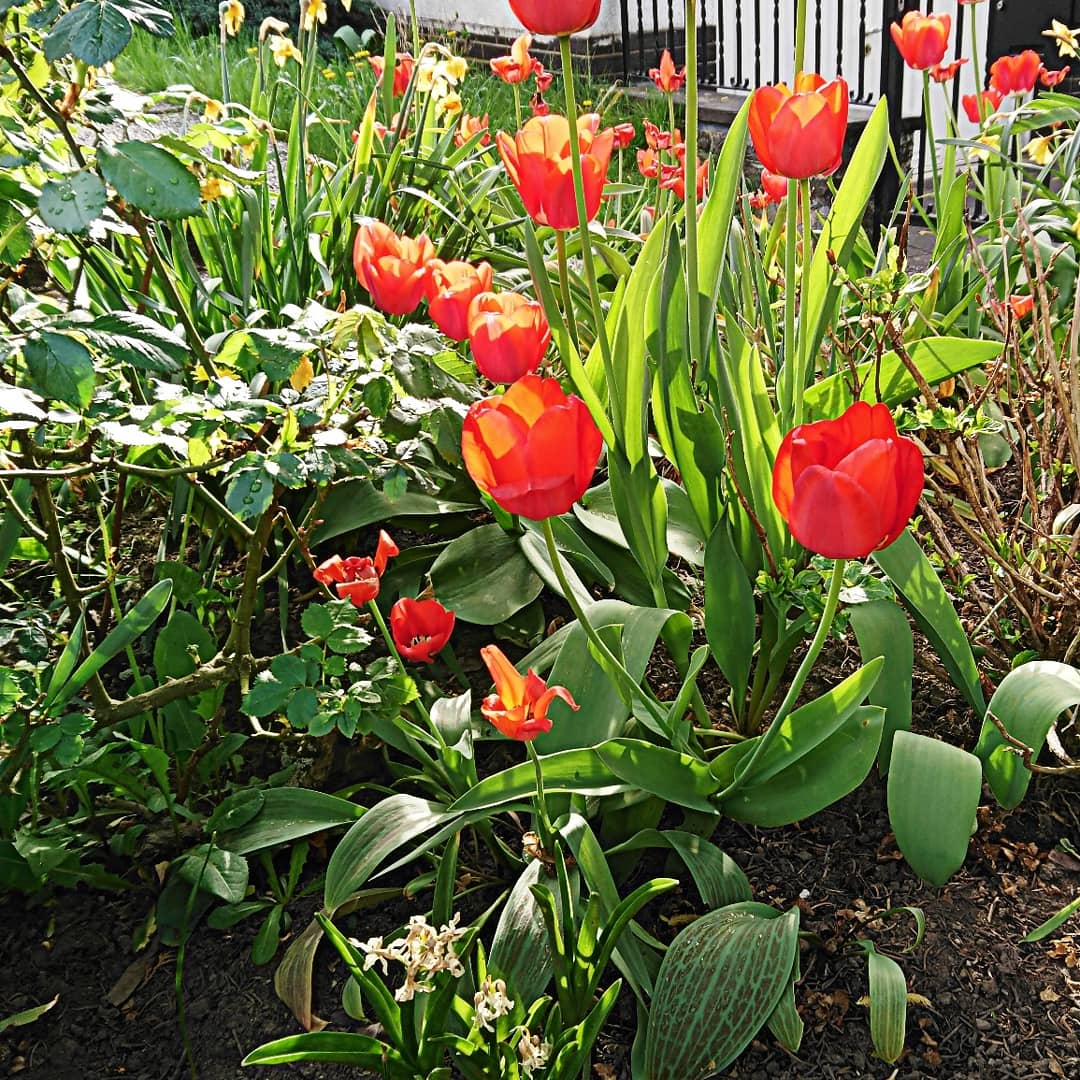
537,160
533,449
519,706
451,287
1016,74
944,72
991,100
556,18
922,39
800,134
673,177
666,77
508,334
403,71
519,65
468,126
392,268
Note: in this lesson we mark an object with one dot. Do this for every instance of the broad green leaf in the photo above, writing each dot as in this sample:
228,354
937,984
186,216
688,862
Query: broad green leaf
888,379
833,769
730,612
221,873
151,179
278,816
181,642
581,771
484,577
384,828
131,627
1028,701
60,368
328,1047
73,203
881,629
65,665
93,31
720,980
355,503
131,338
888,1003
933,797
520,949
920,588
677,778
718,877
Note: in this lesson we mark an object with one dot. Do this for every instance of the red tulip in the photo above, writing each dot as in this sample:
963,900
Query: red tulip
451,287
661,140
508,334
519,65
1016,74
991,100
774,186
537,159
556,18
666,77
420,628
800,134
944,72
468,126
625,135
1018,304
847,487
922,39
1053,78
648,163
392,268
519,706
357,579
533,449
673,177
403,71
539,106
544,79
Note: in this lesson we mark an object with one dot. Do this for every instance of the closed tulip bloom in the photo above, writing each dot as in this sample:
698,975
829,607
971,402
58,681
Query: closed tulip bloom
1016,74
537,160
392,268
847,487
403,71
420,628
625,134
509,335
533,449
666,77
519,65
556,17
800,134
519,706
991,101
922,39
451,287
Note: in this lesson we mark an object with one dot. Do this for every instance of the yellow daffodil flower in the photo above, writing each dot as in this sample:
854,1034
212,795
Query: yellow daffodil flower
284,50
451,104
1040,149
213,110
314,12
1068,41
231,13
216,187
991,141
455,69
269,26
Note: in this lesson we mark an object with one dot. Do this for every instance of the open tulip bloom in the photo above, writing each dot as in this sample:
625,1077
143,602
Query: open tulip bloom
421,628
849,486
519,706
393,269
356,578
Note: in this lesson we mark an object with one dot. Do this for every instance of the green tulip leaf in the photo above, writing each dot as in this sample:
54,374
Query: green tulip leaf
674,777
730,613
328,1047
888,1003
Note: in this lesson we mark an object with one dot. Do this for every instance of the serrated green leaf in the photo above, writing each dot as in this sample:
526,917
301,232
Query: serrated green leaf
60,368
317,622
94,32
303,707
73,203
266,696
151,179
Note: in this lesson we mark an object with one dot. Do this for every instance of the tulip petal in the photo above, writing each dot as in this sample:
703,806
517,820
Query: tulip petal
509,684
834,516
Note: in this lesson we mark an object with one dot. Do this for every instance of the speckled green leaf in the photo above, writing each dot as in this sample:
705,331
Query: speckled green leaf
73,203
151,179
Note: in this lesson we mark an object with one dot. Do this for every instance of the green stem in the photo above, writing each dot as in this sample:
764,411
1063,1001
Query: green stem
800,36
931,144
449,658
583,224
787,372
615,669
976,67
564,286
802,373
543,822
832,601
691,137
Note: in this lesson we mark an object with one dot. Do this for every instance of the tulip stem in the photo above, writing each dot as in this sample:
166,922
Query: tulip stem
564,286
802,374
931,143
800,36
787,372
690,187
832,601
583,223
544,827
611,664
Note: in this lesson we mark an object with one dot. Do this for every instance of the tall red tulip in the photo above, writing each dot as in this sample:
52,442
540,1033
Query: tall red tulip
357,579
519,706
508,333
451,287
800,134
420,628
556,17
666,77
625,134
392,268
518,65
922,39
537,160
1016,74
847,487
533,449
991,100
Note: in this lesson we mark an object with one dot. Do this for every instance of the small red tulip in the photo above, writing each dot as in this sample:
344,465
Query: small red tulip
403,71
847,487
539,106
941,73
673,177
451,287
666,77
991,101
509,335
922,39
519,65
468,126
392,268
1053,78
519,706
648,163
661,140
533,449
558,18
544,79
624,135
776,187
1016,74
537,160
420,628
355,578
800,134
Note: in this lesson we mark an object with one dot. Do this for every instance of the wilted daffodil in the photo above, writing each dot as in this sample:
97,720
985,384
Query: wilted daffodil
283,50
231,13
1068,41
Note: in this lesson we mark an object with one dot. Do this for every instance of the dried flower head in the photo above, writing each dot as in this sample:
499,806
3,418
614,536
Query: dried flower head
491,1002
